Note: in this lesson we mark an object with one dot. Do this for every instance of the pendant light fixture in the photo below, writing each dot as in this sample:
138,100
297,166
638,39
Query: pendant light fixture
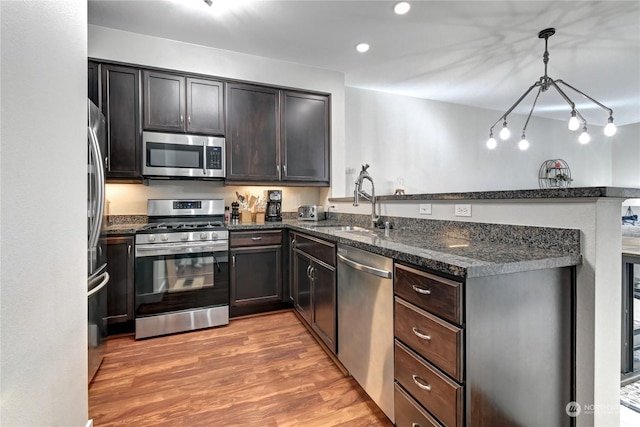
576,120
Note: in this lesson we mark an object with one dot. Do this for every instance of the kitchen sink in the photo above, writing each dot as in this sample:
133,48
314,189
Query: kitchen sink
347,228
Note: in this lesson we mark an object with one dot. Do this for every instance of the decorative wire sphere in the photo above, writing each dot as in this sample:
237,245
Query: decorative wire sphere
554,173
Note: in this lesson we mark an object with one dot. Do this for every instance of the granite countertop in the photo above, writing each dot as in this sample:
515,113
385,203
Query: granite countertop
122,229
440,251
546,193
465,258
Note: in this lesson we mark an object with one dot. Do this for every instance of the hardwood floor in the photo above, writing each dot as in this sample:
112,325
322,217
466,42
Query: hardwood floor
259,371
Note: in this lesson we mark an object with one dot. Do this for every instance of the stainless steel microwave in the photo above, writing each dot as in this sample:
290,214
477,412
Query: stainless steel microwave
169,155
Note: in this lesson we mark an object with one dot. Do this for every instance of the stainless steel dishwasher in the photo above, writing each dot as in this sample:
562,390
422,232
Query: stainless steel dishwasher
365,322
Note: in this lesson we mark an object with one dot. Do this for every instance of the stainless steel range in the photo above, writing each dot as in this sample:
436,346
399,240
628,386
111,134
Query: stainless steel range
182,267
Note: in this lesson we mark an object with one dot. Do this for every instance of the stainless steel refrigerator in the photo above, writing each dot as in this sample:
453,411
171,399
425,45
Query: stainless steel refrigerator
98,277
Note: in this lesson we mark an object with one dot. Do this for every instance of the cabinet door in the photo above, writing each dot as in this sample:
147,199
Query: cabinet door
305,138
205,107
164,101
121,107
253,134
302,286
256,275
120,287
93,77
324,303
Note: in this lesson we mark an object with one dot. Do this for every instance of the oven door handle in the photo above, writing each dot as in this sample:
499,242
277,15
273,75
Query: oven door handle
184,248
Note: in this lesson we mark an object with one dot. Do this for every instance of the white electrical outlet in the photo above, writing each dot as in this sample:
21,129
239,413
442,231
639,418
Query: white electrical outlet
425,209
463,210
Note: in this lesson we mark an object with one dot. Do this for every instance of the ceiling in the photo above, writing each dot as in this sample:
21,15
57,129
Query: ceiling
477,53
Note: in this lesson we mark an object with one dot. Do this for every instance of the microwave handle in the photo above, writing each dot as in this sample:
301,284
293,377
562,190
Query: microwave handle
204,157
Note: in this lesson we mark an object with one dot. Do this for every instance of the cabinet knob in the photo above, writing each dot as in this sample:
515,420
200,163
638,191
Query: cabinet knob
181,119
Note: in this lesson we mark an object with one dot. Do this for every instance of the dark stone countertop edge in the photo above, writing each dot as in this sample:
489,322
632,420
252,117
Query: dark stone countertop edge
550,193
434,262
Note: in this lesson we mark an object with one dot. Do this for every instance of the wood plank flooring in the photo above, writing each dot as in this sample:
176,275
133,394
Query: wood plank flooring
259,371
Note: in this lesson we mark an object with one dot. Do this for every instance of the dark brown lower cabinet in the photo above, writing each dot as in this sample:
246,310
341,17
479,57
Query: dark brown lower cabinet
484,351
315,285
120,265
256,272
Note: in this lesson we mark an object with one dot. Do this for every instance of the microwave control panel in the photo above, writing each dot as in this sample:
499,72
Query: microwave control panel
214,158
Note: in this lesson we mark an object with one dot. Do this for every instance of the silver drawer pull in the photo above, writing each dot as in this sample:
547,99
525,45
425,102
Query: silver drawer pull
420,334
421,383
421,290
416,425
256,238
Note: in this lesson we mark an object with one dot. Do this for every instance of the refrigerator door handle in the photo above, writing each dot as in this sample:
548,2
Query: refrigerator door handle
100,181
105,280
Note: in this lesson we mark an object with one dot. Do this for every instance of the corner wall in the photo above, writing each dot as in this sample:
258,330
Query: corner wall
626,156
43,205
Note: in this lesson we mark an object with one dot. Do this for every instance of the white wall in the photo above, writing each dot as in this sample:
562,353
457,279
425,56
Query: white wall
43,267
440,147
626,156
114,45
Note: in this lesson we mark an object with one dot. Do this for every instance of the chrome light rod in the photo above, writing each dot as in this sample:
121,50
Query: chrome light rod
543,84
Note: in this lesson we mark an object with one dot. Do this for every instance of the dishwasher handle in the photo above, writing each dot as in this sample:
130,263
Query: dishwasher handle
365,268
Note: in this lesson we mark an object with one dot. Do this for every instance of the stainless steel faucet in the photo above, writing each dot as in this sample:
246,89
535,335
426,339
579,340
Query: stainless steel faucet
359,192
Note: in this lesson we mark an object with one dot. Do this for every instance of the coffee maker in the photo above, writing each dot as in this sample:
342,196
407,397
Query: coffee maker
274,205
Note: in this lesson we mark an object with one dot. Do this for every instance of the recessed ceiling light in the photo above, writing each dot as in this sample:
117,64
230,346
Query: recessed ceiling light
401,8
362,47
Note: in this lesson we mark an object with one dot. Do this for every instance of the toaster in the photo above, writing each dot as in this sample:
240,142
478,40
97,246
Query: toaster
311,213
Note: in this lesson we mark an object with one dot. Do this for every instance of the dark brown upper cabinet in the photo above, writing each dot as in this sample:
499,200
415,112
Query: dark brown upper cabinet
176,103
121,107
277,136
305,137
253,134
93,77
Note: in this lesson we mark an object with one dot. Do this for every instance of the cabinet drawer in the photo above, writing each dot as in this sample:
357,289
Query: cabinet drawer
434,339
435,294
255,238
324,251
437,393
408,413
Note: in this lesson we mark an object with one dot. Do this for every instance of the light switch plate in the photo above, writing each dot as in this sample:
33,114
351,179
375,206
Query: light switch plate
463,210
425,208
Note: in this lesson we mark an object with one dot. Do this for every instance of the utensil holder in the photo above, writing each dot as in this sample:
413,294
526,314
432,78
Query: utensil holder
245,217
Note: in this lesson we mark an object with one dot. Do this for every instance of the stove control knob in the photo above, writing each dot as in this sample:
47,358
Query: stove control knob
203,236
184,236
214,236
152,238
164,237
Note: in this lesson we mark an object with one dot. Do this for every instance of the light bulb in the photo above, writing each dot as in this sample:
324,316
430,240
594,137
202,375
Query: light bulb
505,133
610,129
584,137
574,123
492,143
401,8
523,144
362,47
